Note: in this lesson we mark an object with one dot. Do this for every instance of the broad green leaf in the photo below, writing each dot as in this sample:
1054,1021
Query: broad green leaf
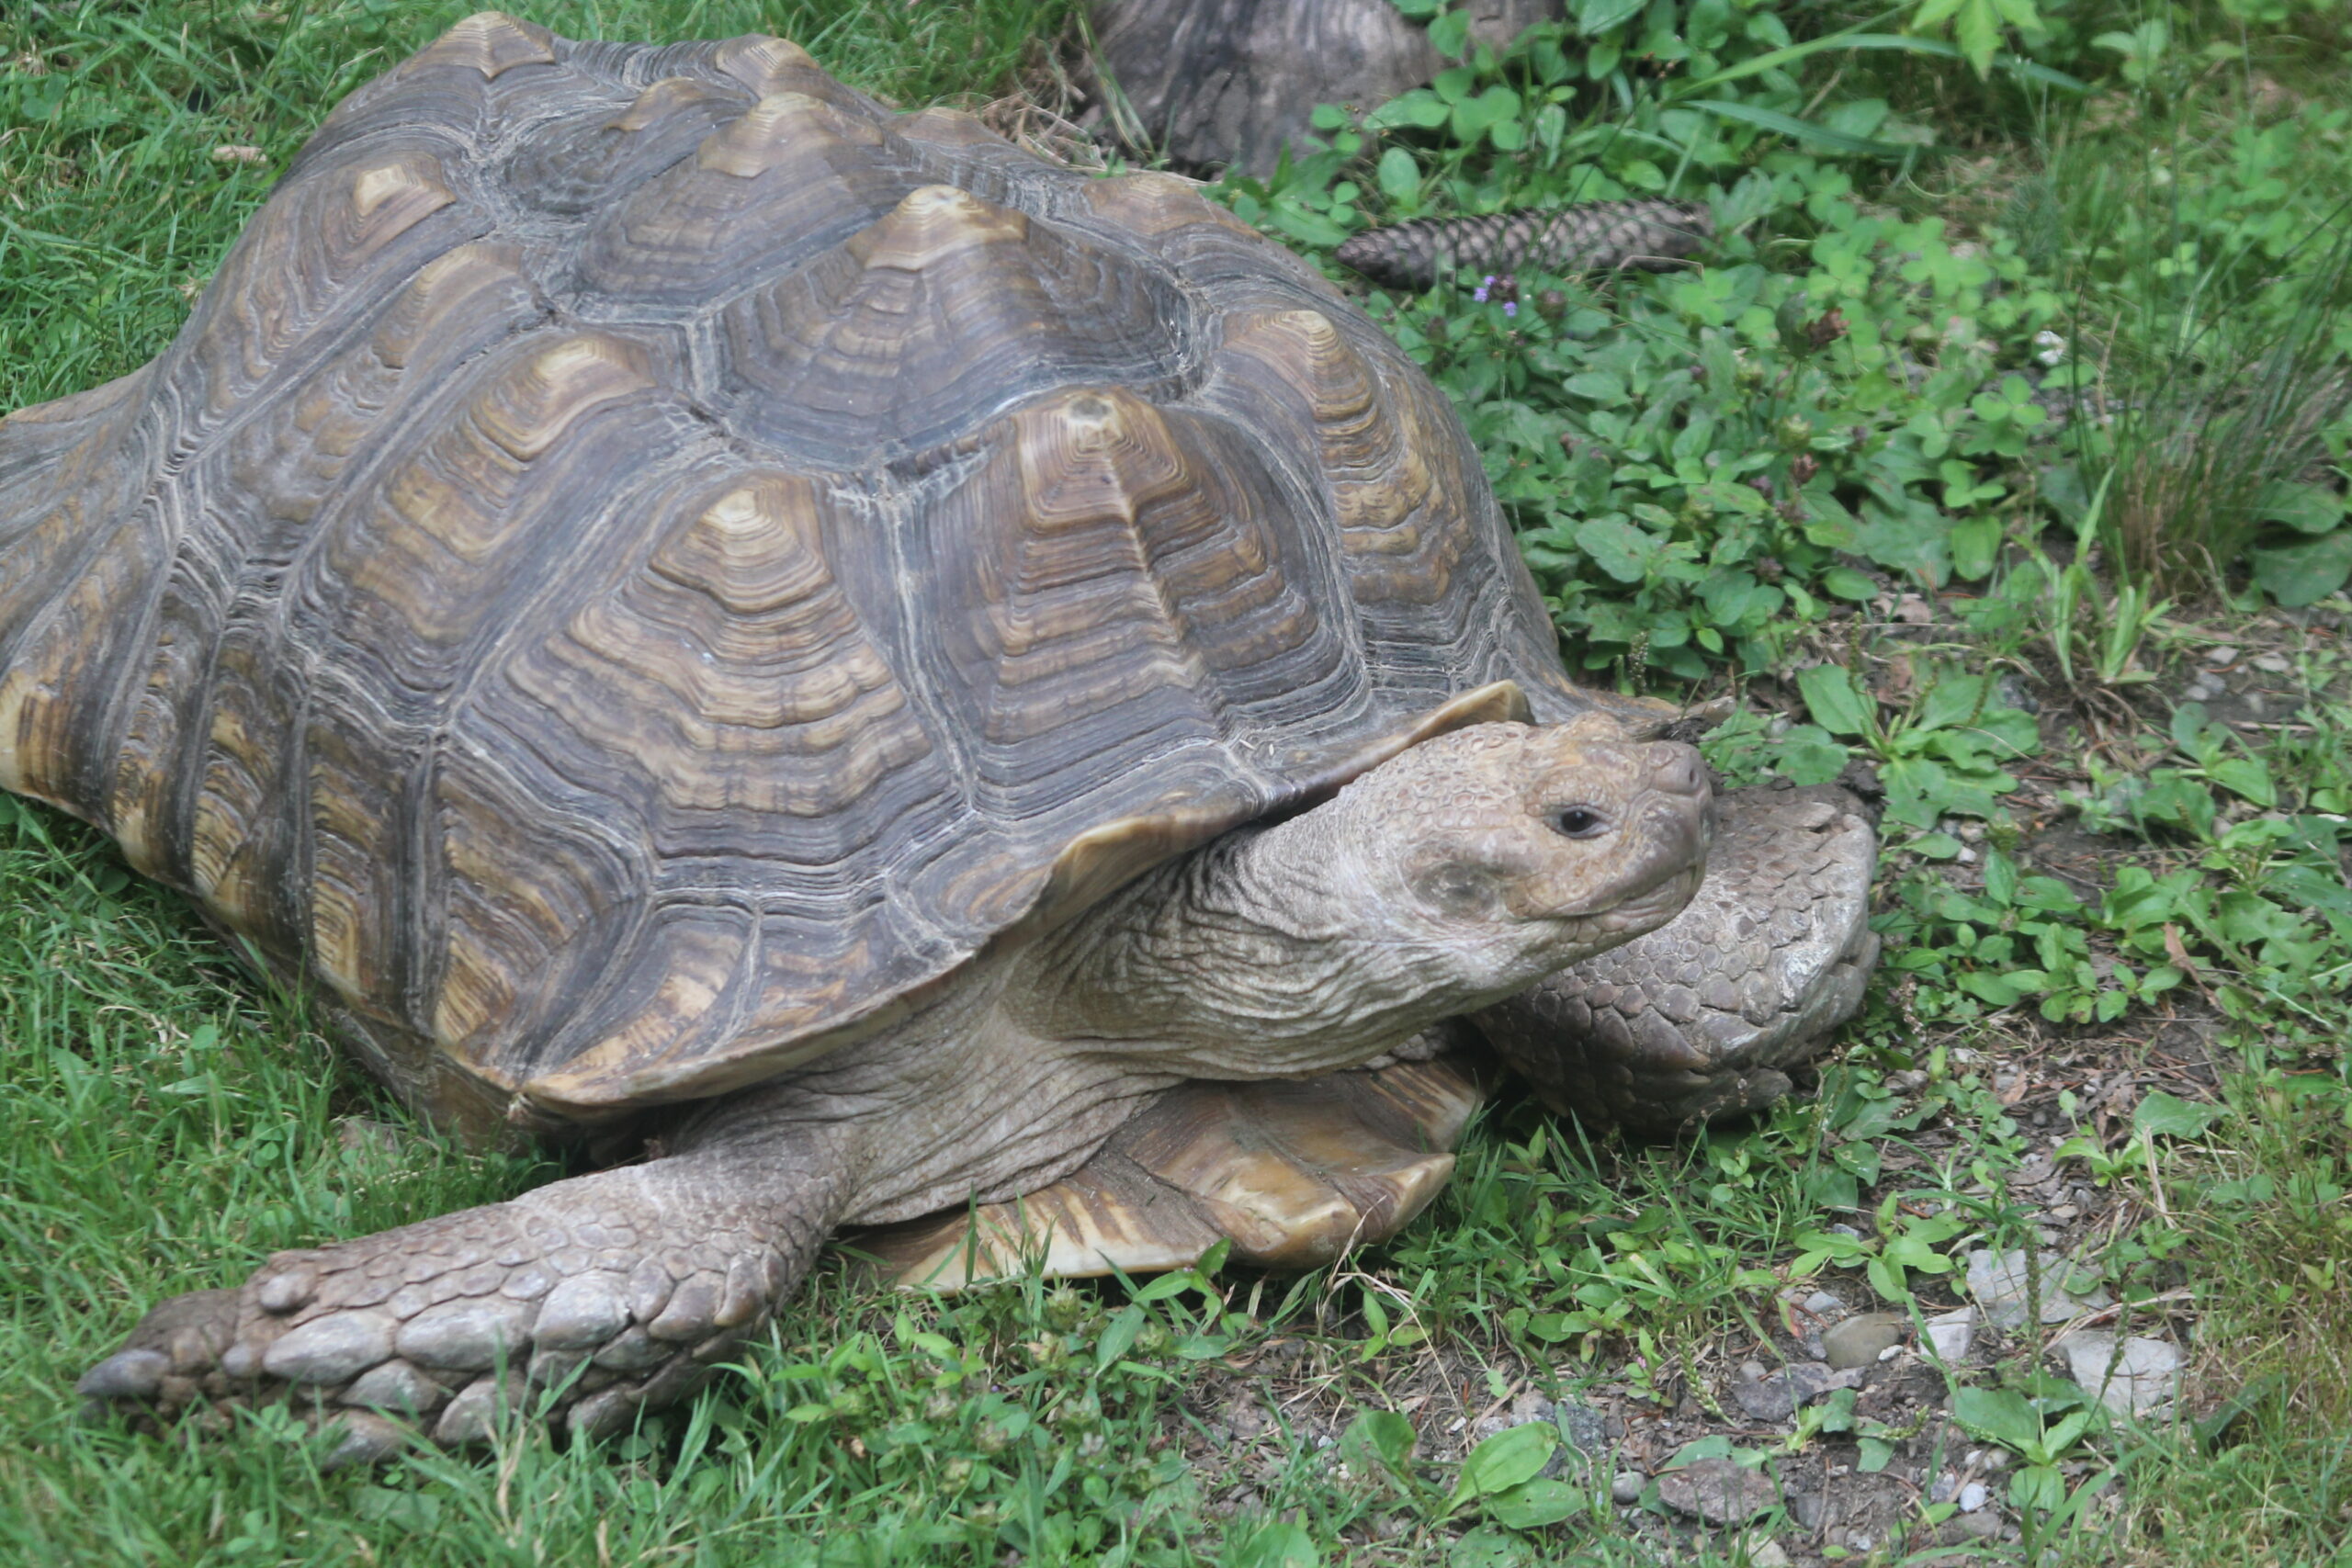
1167,1285
1835,701
1977,29
1474,116
2307,508
1513,1455
1118,1337
1308,228
1807,756
1421,109
1598,387
1622,551
1378,1439
1596,17
1274,1544
1998,1414
1400,177
2305,573
1847,583
1534,1504
2169,1116
2039,1487
1975,543
2246,776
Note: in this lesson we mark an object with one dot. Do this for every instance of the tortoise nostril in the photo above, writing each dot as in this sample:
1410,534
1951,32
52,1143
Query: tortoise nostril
1676,770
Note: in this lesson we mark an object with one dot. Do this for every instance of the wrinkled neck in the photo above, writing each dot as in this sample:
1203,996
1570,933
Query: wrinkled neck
1264,954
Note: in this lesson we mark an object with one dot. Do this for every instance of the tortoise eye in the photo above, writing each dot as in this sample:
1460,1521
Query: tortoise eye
1576,821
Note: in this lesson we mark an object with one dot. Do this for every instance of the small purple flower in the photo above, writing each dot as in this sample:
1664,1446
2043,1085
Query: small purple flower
1510,308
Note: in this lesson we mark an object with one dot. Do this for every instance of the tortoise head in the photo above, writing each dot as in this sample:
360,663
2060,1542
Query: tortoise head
1527,847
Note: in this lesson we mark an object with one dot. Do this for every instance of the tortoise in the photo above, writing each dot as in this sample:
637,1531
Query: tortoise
1218,84
688,608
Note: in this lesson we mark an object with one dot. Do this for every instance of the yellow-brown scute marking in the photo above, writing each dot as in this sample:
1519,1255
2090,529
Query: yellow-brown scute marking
491,42
762,61
776,184
929,320
665,98
781,129
403,184
732,669
934,223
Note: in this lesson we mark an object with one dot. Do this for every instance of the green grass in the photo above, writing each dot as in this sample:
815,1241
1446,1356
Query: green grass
2096,886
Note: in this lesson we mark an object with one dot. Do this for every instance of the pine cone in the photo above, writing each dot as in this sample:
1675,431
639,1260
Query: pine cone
1597,236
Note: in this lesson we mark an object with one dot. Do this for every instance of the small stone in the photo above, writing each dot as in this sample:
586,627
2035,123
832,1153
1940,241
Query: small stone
1858,1341
2271,664
2220,657
330,1349
1766,1399
1812,1380
1945,1489
1961,1529
1998,1281
1768,1555
1586,1429
1807,1509
1626,1487
2131,1379
1973,1496
1951,1334
1717,1491
1821,1304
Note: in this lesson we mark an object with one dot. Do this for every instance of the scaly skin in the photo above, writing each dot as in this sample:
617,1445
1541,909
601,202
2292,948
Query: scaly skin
1444,879
1702,1016
591,1298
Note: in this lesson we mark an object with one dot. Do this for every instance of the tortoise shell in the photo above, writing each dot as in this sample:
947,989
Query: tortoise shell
643,562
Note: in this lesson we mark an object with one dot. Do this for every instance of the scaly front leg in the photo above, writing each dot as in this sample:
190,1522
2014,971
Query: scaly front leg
590,1298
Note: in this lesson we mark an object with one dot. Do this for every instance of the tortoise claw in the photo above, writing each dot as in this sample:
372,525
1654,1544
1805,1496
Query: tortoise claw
125,1375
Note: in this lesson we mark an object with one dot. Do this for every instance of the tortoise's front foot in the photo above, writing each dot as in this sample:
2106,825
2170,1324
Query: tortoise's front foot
584,1301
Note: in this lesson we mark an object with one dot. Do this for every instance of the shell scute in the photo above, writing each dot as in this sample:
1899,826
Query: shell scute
944,312
784,179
